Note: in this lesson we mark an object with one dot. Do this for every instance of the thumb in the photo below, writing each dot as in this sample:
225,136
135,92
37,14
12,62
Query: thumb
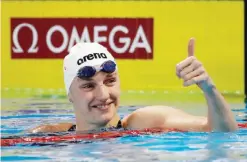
191,47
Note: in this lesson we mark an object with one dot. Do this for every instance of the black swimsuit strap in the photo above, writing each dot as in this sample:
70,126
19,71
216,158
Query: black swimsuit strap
119,125
72,128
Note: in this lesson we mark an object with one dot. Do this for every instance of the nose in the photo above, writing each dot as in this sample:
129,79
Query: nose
102,93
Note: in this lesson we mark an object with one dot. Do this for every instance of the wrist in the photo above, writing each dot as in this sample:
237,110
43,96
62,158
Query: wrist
207,86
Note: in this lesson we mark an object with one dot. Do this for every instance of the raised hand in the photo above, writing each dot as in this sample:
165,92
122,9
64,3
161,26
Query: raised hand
192,71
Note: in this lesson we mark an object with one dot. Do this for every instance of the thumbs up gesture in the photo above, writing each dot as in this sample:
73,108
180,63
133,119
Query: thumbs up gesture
191,71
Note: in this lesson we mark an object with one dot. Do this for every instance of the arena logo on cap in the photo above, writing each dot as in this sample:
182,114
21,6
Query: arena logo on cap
125,38
91,56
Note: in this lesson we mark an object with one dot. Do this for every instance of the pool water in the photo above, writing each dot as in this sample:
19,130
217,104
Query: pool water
21,115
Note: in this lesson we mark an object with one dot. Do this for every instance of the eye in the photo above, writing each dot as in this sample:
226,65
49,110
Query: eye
110,81
87,86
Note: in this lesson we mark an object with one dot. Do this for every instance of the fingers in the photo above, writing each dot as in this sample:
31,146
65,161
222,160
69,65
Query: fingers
191,47
186,70
194,66
183,64
196,80
193,74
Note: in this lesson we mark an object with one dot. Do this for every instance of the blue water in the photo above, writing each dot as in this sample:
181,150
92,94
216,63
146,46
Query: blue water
173,146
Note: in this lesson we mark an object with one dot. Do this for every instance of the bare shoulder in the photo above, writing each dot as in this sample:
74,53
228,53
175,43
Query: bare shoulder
60,127
164,117
147,117
159,110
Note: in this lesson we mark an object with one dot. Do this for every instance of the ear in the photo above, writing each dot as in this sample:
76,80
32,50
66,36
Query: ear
70,97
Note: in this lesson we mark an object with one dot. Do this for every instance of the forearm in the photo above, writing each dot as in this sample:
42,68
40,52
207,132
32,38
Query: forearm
220,116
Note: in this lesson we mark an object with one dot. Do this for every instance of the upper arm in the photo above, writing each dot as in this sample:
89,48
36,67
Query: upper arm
165,117
147,117
61,127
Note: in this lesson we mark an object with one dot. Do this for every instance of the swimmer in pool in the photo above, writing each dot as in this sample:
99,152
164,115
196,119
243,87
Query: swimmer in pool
92,84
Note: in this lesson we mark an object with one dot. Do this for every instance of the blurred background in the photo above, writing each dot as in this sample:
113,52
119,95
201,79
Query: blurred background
148,39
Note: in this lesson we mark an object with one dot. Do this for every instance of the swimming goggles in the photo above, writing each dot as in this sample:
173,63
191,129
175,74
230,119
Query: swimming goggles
90,71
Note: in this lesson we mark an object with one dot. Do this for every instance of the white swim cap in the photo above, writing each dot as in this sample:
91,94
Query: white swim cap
83,54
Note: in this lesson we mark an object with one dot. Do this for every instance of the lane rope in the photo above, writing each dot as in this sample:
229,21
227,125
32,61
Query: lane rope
89,136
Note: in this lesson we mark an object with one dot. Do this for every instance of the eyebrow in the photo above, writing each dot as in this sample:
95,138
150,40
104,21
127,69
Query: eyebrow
90,79
111,74
86,78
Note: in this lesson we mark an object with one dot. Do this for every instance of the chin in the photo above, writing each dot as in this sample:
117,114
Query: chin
107,117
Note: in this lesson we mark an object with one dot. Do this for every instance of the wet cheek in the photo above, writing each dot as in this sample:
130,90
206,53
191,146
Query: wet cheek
115,92
80,93
85,98
79,96
82,103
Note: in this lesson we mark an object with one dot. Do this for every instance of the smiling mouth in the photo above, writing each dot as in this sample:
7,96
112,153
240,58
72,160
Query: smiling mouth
103,106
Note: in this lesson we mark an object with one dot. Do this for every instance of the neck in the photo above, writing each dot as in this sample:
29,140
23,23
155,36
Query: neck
84,126
114,121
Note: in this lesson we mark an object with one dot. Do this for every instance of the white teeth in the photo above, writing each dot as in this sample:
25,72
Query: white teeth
106,106
101,106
